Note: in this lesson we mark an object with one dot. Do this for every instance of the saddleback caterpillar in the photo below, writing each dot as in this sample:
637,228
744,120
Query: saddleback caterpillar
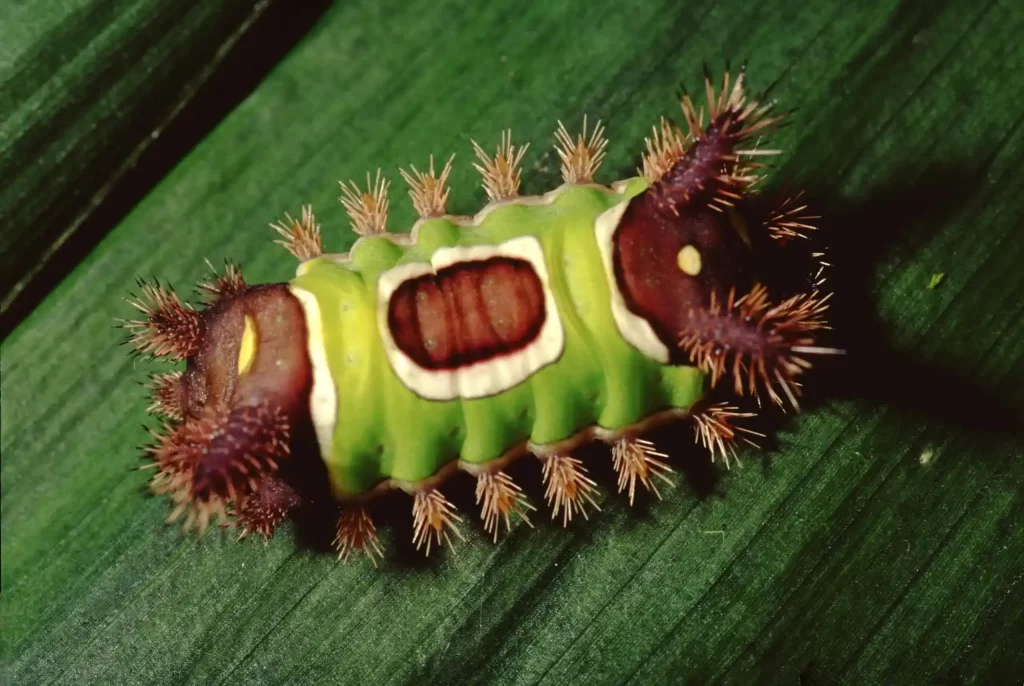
589,313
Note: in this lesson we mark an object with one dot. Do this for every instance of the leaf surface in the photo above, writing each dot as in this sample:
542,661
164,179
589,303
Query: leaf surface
880,542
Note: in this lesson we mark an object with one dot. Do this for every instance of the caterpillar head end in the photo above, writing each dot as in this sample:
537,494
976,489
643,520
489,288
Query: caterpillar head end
695,279
230,414
693,266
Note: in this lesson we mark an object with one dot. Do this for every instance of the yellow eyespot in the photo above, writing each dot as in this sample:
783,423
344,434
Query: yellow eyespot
247,350
688,260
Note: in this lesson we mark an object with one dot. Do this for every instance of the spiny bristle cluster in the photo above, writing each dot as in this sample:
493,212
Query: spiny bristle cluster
175,454
502,173
723,169
433,518
221,286
166,394
170,328
567,488
368,209
725,102
266,507
355,533
715,428
219,458
244,445
636,459
301,236
821,273
761,342
429,191
499,496
581,157
790,219
664,148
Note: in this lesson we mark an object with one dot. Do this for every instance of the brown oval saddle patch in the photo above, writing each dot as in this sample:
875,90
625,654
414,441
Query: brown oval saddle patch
645,258
467,312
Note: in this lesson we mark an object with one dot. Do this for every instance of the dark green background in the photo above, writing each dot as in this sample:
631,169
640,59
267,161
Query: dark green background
880,541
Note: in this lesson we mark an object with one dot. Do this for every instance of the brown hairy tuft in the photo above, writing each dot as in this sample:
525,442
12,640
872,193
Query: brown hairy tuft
791,218
709,164
582,157
717,427
367,209
175,453
502,173
242,446
355,533
262,510
170,328
758,342
166,399
665,147
429,190
301,236
221,286
179,447
223,456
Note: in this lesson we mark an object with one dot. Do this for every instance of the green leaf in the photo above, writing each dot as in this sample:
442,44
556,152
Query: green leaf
879,542
101,97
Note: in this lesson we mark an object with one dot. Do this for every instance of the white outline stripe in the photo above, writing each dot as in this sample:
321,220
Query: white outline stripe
323,398
635,329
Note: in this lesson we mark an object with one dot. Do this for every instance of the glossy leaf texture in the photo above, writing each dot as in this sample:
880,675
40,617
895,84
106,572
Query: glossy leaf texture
879,540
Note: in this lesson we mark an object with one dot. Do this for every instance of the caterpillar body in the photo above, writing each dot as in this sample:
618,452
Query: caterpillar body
591,312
